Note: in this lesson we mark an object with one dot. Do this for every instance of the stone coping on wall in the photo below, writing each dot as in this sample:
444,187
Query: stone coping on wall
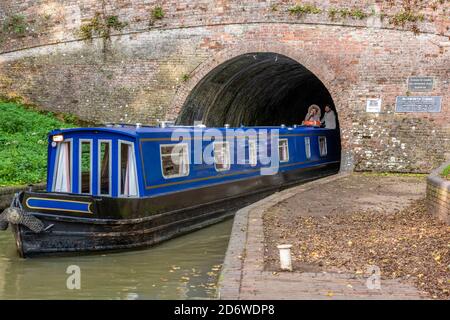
438,194
7,193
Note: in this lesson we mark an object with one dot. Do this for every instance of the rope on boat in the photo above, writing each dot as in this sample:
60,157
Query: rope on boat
16,215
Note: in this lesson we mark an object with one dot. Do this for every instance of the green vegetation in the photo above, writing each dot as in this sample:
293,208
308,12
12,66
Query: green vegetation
406,16
23,143
157,13
399,19
358,14
446,172
114,23
101,25
185,77
332,13
301,10
88,29
16,25
344,13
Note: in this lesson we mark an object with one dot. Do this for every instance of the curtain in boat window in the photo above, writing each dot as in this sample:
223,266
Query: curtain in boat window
253,155
222,159
85,166
283,150
128,185
105,168
323,146
308,148
63,179
174,160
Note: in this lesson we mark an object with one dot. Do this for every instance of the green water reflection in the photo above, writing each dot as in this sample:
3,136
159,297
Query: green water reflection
182,268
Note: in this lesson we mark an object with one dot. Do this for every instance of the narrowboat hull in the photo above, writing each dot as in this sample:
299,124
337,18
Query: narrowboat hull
120,224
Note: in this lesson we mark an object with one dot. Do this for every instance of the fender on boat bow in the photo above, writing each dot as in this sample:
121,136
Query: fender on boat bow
16,215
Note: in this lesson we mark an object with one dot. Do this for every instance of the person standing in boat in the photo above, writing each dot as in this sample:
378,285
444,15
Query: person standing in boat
329,118
313,113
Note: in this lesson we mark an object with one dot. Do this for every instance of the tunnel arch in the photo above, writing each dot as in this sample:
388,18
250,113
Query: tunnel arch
257,88
317,63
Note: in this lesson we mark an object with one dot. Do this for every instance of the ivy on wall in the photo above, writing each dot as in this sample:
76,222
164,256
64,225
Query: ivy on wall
185,77
101,25
401,18
157,13
407,17
15,26
344,13
301,10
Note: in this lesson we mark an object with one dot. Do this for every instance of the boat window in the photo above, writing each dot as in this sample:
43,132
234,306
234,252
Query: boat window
252,151
222,156
174,160
63,168
308,147
283,150
104,166
323,146
85,166
127,170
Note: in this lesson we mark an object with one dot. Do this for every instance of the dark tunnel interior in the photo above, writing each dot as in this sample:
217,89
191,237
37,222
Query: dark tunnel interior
255,89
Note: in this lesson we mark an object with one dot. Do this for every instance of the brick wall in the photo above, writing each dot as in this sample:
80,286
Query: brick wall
139,74
438,195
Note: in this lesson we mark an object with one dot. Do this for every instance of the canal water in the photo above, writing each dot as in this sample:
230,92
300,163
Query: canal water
186,267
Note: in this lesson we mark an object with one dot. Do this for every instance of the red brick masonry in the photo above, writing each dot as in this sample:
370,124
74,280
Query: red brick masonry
145,72
438,194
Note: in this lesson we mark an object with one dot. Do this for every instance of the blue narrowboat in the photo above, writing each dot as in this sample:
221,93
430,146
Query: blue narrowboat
130,186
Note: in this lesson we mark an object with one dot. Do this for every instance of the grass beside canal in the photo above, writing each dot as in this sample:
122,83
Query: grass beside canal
446,172
23,142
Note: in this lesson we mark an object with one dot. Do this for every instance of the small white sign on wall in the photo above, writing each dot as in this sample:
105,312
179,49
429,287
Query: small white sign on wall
373,105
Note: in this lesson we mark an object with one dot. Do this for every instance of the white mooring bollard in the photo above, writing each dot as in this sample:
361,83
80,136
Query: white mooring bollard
285,256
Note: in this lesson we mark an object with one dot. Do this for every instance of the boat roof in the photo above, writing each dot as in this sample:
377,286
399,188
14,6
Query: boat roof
138,131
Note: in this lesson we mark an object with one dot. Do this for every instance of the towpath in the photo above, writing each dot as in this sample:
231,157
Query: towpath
250,269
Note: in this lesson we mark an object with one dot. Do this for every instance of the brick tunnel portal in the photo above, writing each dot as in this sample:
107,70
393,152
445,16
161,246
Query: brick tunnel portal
255,89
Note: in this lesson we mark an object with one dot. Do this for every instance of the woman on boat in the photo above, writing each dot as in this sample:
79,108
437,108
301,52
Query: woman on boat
313,113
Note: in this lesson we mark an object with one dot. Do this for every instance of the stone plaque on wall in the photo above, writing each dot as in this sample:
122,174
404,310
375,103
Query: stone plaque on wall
420,83
373,105
418,104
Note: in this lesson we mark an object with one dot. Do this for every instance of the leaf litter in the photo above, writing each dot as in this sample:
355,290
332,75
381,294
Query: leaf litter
408,244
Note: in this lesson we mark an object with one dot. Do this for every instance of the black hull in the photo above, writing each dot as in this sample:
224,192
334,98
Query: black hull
123,226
